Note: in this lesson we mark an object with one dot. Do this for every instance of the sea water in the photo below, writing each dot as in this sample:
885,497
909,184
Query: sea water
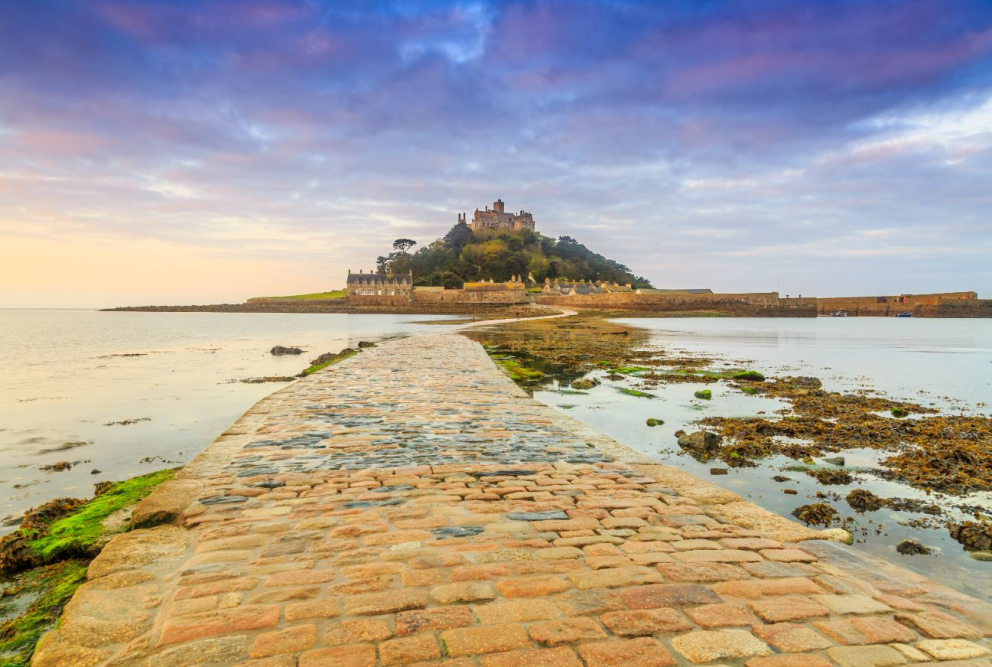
67,375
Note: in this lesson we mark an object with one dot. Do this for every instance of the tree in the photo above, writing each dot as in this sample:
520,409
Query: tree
402,245
458,236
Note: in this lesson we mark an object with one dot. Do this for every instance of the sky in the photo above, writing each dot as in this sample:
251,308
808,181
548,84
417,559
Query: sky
169,152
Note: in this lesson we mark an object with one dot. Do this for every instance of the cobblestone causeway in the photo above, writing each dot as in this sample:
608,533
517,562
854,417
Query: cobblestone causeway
412,506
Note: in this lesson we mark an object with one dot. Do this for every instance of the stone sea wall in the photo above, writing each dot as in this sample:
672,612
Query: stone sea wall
762,304
953,304
469,296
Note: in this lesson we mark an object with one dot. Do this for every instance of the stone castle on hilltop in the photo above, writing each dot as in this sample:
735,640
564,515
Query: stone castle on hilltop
498,218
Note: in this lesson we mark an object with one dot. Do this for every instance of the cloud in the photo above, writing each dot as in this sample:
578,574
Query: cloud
756,139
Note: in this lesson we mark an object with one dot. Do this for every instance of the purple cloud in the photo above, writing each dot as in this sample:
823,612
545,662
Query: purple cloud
719,131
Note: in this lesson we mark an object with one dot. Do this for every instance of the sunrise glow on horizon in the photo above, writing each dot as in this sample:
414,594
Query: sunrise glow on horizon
206,152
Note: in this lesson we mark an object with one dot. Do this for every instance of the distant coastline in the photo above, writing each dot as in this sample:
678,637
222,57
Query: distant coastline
672,304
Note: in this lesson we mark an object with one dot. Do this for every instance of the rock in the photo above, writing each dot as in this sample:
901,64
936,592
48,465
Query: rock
700,443
655,422
704,394
862,500
817,514
547,515
15,554
782,478
791,492
585,383
837,535
835,461
615,377
975,536
12,519
95,471
129,551
984,556
899,411
280,350
679,433
365,343
718,471
165,503
831,476
806,382
912,548
749,376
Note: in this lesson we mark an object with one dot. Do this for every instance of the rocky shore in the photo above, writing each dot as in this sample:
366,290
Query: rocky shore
920,448
412,505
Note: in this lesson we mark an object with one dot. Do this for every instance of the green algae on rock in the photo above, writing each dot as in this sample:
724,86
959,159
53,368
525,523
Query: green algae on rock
749,376
637,393
327,359
71,528
704,394
48,556
46,590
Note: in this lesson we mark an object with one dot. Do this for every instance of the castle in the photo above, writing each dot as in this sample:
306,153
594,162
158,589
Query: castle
498,218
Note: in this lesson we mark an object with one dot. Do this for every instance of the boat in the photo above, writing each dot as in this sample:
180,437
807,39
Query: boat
839,313
906,314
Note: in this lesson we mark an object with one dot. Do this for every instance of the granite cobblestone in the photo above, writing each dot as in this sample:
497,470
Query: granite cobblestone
412,506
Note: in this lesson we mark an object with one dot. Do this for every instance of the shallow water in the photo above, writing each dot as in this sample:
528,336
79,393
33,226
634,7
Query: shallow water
944,362
61,382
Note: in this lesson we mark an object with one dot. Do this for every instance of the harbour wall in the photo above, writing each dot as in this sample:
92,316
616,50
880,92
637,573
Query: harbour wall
758,304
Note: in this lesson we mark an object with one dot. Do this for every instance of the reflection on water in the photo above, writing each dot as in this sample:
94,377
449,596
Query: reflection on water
946,361
70,377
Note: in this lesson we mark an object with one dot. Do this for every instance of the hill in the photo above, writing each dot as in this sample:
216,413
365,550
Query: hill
463,255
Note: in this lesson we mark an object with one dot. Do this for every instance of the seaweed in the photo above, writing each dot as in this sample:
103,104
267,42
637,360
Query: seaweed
51,587
327,359
817,514
81,532
635,392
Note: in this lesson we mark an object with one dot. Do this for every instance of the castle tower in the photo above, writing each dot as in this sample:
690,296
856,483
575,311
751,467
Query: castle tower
498,206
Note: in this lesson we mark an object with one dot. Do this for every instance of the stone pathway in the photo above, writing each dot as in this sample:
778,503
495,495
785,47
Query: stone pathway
412,506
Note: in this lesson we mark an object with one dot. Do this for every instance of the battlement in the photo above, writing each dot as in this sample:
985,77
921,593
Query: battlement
498,219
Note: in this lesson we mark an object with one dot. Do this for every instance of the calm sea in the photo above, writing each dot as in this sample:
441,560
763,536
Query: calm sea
65,378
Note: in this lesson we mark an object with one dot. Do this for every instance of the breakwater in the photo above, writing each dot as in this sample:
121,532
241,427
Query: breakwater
411,504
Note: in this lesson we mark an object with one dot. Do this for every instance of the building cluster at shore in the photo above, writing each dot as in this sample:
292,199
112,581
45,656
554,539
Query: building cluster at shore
376,289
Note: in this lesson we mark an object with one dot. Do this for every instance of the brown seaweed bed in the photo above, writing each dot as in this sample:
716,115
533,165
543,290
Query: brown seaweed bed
927,450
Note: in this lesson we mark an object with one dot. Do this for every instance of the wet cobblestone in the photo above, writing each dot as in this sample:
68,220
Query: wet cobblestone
412,506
